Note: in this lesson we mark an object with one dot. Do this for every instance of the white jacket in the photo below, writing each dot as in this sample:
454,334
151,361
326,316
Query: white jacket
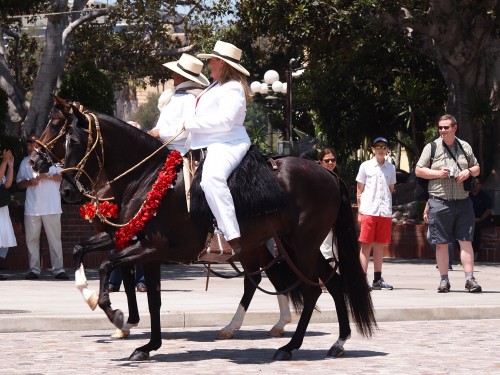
219,116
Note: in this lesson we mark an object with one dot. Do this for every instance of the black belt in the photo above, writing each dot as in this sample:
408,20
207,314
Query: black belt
446,200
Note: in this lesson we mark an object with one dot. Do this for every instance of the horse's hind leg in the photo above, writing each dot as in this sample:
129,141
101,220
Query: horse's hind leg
310,295
334,287
249,290
278,329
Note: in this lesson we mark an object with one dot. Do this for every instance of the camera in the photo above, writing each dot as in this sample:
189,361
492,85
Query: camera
452,172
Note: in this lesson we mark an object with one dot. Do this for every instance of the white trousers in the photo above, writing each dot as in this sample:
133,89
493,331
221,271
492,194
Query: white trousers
52,226
220,162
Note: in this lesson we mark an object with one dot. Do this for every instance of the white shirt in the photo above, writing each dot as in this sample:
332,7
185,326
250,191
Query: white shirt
219,116
43,198
172,116
376,198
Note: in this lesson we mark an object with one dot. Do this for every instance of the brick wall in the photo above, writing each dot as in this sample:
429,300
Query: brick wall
74,230
408,241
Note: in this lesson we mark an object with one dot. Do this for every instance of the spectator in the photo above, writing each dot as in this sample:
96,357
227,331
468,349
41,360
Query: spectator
116,277
42,207
450,211
482,205
7,237
375,184
328,160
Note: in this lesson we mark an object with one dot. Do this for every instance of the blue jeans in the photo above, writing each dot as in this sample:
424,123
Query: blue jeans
116,277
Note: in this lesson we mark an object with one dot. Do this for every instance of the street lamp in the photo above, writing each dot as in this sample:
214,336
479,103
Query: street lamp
271,80
271,85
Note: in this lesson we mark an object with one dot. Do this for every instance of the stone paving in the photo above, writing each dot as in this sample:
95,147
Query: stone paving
46,328
431,347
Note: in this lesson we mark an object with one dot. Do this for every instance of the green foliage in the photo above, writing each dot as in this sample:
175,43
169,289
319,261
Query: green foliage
138,36
348,170
89,86
347,92
148,113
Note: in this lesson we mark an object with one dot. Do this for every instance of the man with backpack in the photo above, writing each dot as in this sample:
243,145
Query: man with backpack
450,210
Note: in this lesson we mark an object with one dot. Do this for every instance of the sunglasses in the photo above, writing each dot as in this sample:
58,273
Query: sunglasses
443,127
380,147
332,160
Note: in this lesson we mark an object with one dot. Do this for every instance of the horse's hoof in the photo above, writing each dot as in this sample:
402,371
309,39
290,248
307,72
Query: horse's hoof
92,301
336,351
118,319
224,335
282,355
276,332
120,334
137,355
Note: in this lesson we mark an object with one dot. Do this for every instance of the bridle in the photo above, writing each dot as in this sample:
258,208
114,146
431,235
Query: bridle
45,150
93,141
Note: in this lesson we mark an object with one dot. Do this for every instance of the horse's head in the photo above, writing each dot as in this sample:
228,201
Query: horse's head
83,155
50,146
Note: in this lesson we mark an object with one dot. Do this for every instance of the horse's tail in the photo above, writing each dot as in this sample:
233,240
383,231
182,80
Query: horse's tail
356,289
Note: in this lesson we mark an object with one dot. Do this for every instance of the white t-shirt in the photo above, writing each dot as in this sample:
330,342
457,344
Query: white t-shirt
376,198
44,198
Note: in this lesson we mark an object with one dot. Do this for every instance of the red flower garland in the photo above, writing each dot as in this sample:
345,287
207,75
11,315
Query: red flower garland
105,209
166,177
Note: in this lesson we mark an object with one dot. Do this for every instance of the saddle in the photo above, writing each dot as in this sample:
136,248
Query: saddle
255,192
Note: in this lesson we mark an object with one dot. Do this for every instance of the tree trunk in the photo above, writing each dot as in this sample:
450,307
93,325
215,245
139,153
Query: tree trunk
50,71
18,106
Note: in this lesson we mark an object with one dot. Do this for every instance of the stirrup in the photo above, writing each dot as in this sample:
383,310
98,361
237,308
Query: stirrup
217,249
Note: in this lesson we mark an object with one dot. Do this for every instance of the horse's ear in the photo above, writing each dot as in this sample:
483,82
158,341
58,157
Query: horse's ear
61,101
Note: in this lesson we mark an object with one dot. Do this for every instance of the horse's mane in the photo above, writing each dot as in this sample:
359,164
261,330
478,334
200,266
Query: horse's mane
253,186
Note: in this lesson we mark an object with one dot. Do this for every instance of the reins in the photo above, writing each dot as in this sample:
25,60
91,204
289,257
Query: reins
91,148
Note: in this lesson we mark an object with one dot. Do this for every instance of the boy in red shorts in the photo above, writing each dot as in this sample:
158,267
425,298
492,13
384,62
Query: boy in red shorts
375,183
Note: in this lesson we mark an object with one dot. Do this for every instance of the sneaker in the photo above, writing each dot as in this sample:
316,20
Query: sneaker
450,268
61,276
112,289
381,285
31,276
472,286
141,288
444,286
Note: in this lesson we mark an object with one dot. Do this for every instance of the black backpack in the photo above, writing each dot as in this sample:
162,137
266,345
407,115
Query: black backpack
421,189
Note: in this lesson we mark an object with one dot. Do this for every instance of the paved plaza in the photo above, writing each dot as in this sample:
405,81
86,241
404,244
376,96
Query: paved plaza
46,328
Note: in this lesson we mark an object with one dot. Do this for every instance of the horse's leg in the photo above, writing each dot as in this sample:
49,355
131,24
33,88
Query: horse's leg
310,295
128,256
278,329
99,242
152,276
334,287
128,277
249,290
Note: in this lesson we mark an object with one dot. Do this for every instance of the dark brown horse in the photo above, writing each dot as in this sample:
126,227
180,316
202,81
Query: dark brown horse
315,201
51,149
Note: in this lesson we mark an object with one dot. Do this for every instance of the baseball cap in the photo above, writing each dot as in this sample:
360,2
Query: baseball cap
380,139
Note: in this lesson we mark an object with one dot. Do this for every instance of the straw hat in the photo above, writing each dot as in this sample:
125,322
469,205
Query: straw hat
190,67
228,53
